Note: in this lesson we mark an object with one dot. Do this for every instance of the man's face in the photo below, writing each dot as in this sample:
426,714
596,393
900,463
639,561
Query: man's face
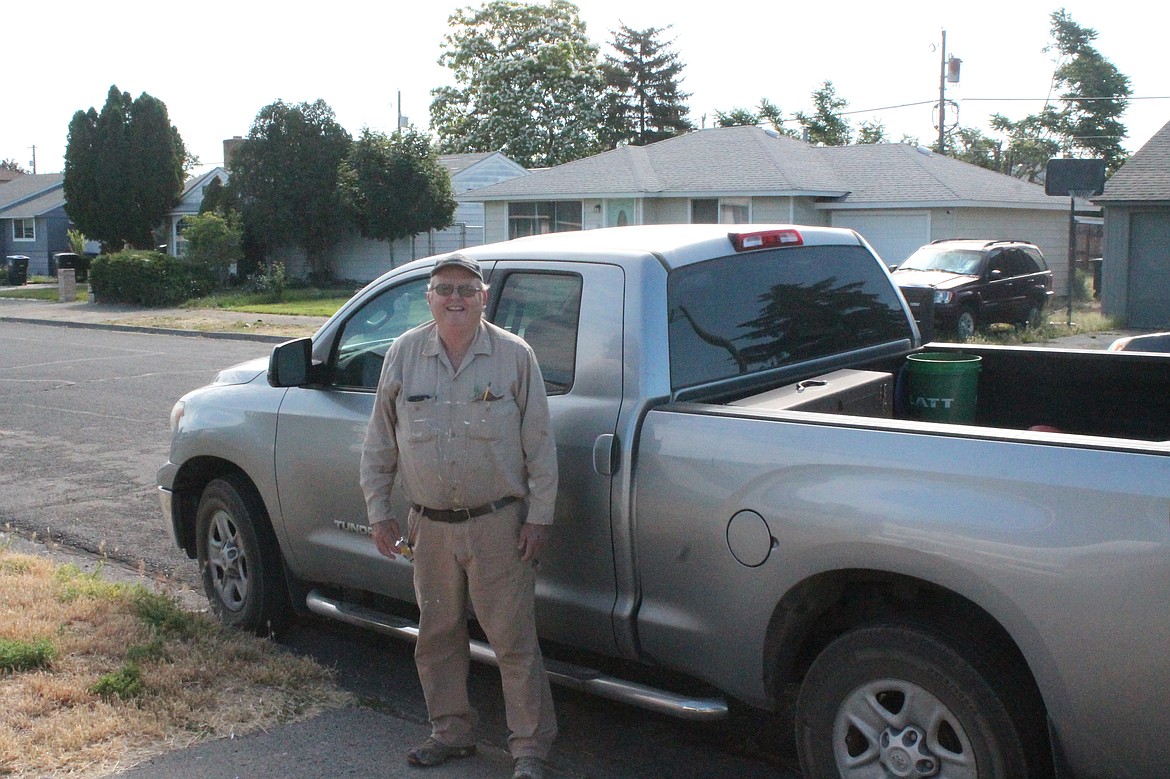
455,311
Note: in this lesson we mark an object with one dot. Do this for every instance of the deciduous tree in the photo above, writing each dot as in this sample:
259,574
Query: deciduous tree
1087,121
284,177
825,124
528,84
395,186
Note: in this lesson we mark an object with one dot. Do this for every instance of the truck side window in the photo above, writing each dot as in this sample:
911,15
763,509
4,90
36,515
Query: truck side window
747,313
544,309
367,334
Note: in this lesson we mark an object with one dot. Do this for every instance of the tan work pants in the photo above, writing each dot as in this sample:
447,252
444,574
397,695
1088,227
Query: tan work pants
479,559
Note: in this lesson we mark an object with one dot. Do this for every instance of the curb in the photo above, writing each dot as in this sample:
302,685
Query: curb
274,339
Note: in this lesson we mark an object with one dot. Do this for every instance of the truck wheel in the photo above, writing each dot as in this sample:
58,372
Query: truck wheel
966,325
240,559
897,700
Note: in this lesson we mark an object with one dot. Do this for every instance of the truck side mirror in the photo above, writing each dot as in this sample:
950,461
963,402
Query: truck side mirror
291,363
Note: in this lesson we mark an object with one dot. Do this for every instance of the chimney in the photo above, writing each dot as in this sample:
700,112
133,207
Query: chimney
229,148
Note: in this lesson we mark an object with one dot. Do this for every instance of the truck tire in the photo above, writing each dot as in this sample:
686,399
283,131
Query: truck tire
239,558
966,325
896,699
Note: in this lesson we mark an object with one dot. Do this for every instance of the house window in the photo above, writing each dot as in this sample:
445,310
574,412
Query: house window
24,230
180,242
734,210
546,216
725,210
705,212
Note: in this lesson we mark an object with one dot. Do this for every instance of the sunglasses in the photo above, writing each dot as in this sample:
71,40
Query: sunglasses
464,290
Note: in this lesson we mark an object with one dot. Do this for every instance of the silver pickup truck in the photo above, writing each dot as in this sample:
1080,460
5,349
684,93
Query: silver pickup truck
747,498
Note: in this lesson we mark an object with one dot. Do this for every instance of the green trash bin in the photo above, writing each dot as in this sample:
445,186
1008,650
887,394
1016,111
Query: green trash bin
942,386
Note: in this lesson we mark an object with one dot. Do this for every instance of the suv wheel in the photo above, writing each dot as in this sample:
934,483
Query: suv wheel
1035,317
966,324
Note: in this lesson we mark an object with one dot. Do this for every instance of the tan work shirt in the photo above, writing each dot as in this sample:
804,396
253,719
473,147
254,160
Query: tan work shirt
461,438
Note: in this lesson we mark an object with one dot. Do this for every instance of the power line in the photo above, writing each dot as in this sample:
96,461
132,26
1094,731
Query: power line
997,99
1058,99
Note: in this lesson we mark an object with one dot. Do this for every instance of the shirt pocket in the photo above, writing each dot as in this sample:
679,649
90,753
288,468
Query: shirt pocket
491,420
423,423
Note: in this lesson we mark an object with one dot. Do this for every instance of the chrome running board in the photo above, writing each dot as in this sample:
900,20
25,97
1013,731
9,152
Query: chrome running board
565,674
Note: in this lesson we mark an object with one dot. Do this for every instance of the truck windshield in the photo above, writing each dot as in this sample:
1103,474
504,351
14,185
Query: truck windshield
752,312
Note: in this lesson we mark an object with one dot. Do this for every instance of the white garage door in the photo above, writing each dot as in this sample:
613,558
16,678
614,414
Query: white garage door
894,235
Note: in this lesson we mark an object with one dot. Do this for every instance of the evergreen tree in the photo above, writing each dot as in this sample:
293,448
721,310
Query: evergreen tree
647,104
123,170
529,84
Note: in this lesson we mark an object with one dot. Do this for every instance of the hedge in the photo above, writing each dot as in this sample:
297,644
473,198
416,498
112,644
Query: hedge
147,278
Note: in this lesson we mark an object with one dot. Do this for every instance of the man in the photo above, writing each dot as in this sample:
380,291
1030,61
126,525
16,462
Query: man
461,412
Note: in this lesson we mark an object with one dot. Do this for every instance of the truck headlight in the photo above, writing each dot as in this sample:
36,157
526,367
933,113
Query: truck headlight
942,296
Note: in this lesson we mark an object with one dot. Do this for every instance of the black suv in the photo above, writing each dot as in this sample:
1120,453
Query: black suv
966,283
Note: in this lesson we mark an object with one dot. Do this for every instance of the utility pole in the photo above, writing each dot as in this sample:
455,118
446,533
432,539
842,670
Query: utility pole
948,70
34,160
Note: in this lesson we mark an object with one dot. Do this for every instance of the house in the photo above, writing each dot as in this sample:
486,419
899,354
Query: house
1135,270
33,222
363,260
897,196
360,259
189,201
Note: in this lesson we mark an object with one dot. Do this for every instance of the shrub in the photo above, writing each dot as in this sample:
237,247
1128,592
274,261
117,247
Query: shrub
145,278
271,283
25,655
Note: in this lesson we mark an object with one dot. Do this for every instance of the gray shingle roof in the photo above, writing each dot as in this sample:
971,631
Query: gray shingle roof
30,196
750,161
454,163
897,173
1145,176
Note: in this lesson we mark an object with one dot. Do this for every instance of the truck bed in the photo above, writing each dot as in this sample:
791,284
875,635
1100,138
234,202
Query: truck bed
1109,394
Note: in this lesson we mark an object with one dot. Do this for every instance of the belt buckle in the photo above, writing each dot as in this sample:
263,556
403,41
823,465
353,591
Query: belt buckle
465,512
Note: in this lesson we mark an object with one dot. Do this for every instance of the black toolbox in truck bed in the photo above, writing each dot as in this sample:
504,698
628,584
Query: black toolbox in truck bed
861,393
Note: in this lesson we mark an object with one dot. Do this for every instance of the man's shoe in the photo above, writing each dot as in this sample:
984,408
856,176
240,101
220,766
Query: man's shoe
528,768
433,752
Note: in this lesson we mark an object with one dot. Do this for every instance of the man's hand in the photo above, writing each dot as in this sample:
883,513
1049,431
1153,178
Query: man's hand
532,540
386,535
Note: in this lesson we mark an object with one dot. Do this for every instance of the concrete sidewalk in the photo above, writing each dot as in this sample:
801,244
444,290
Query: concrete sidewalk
208,322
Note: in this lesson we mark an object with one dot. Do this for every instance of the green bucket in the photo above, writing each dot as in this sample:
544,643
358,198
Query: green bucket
942,386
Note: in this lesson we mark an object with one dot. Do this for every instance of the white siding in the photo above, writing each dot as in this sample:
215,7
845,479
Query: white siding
894,234
1046,229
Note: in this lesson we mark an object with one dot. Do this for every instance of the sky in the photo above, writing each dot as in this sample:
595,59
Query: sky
216,63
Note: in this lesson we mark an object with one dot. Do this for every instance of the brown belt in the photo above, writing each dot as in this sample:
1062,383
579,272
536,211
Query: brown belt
462,515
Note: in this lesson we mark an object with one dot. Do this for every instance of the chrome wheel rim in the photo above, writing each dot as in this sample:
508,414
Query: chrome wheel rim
891,727
226,561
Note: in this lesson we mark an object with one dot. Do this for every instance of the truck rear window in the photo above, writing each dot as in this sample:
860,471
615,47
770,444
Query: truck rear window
752,312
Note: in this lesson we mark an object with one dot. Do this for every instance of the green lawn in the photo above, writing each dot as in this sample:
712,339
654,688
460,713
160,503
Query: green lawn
44,293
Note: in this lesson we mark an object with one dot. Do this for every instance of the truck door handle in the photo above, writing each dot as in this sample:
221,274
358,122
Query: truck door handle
605,454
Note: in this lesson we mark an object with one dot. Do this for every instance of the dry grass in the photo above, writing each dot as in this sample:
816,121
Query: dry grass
96,676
